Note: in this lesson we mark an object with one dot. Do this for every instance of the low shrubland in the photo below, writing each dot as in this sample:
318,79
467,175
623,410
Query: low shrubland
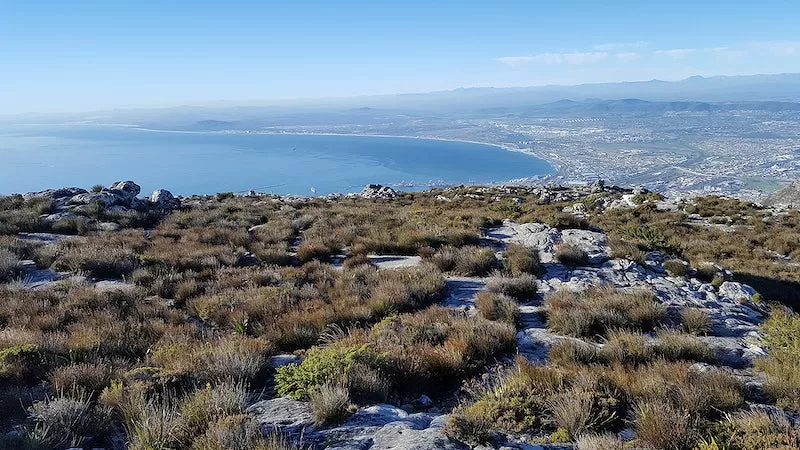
432,349
216,288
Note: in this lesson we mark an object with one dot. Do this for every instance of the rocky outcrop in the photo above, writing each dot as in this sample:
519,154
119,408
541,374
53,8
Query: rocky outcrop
163,199
732,307
380,426
71,203
121,193
378,191
54,194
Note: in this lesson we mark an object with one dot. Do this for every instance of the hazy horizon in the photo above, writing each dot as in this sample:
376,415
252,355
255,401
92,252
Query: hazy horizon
91,56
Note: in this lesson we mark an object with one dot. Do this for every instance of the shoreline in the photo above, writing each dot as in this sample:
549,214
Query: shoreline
507,147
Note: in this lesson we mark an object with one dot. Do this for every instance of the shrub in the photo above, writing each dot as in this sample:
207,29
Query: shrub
705,395
519,259
466,261
568,352
434,348
209,404
86,378
676,268
580,409
707,272
230,359
367,383
150,423
21,362
651,237
782,340
674,345
570,255
758,430
522,287
64,421
77,226
330,404
533,399
8,265
322,365
599,442
104,258
516,405
661,425
626,250
308,251
356,260
696,321
497,307
625,347
600,309
240,432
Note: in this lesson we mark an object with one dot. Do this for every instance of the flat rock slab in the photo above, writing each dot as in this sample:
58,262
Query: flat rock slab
461,292
394,261
45,238
380,426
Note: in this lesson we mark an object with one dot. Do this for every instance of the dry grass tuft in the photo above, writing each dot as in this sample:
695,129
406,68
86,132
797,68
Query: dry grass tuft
571,255
600,309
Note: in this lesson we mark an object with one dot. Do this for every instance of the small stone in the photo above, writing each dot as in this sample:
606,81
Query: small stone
422,402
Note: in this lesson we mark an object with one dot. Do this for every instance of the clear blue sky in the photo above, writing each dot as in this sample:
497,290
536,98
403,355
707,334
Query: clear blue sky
87,55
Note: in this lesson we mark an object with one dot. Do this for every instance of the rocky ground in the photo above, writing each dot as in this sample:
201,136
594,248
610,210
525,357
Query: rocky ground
734,336
419,425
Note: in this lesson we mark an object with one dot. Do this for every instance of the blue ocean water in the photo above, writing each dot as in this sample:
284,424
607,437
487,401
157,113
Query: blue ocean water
36,157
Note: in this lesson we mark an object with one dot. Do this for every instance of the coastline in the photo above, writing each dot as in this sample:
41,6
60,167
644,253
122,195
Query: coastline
547,169
503,146
508,147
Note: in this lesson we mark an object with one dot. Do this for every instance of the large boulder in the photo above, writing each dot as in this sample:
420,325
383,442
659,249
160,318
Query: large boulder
125,189
105,198
592,242
379,426
736,291
56,193
52,218
289,416
164,200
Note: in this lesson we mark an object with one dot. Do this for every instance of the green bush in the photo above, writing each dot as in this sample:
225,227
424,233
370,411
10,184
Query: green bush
322,365
782,340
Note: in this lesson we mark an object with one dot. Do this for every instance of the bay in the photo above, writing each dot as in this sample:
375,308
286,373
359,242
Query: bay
36,157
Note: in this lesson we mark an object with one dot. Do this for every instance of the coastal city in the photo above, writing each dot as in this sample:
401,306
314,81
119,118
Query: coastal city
746,154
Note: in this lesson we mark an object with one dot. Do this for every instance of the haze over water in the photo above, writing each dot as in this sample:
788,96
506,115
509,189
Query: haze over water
37,157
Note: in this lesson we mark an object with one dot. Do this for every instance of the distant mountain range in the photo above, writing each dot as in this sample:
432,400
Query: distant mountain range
639,106
779,92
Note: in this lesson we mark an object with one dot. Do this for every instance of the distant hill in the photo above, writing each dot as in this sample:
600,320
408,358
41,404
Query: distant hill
639,106
788,196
